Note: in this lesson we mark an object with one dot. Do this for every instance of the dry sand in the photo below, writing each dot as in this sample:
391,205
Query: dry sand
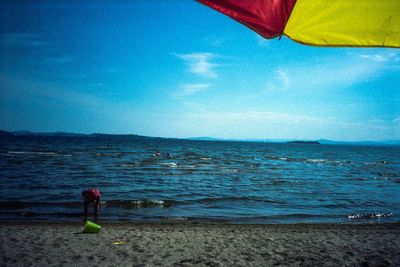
159,244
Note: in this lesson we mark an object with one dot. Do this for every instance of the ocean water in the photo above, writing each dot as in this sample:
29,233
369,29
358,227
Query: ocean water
41,179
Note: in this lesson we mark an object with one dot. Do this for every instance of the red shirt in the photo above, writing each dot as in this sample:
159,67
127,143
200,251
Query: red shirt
92,193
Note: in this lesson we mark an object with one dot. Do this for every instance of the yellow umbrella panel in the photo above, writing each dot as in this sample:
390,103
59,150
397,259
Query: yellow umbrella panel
362,23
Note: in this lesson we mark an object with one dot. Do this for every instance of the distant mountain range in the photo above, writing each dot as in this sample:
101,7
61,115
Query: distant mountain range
319,141
66,134
311,142
205,138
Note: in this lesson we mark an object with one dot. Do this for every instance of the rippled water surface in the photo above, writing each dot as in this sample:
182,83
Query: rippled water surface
41,178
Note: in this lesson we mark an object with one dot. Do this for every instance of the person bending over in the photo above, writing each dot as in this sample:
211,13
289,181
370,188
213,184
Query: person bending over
91,196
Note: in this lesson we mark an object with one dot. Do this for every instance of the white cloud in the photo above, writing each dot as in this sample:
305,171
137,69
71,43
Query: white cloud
283,77
251,124
262,117
381,57
396,120
332,72
242,121
190,89
263,42
280,81
113,70
375,57
277,125
62,59
200,64
46,51
98,84
214,40
24,40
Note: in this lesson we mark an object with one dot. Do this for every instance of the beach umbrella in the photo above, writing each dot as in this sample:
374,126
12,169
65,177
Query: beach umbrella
362,23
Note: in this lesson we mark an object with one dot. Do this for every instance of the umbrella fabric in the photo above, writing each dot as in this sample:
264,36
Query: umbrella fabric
319,22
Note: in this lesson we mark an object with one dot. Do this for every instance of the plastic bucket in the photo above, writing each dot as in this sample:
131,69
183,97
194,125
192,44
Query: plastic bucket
91,227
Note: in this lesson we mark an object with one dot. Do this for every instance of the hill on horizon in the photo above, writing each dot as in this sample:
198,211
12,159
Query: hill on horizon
203,138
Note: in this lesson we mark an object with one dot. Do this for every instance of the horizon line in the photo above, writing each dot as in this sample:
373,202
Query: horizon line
207,138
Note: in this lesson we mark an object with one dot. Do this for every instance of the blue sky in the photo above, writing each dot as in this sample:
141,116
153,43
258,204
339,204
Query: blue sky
179,69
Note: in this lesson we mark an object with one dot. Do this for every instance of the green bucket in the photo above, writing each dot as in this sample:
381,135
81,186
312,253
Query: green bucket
91,227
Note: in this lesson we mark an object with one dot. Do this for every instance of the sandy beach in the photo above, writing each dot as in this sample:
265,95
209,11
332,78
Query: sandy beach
181,244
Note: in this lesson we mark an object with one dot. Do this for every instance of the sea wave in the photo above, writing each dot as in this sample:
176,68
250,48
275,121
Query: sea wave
170,164
41,153
243,199
18,205
129,204
369,215
309,160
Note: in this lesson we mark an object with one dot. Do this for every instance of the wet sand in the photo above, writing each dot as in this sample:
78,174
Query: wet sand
181,244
